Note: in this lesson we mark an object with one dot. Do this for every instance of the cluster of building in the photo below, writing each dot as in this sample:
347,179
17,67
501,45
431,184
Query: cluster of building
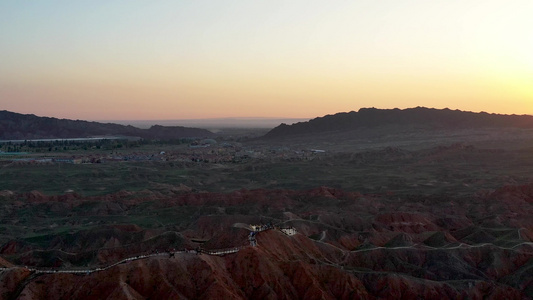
204,151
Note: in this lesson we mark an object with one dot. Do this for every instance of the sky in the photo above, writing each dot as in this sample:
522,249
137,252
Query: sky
161,60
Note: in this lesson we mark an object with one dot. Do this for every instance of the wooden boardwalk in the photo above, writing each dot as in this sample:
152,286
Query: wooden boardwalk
169,254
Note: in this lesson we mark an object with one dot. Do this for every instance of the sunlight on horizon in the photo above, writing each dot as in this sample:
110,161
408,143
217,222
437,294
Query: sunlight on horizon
300,59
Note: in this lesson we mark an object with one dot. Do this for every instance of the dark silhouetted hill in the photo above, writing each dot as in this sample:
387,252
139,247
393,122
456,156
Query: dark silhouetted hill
14,126
412,117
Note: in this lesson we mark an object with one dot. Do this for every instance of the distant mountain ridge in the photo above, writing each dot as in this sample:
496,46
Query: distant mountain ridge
212,123
416,117
15,126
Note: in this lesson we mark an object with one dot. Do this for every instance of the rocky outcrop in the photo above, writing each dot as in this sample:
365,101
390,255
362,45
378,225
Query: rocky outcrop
348,245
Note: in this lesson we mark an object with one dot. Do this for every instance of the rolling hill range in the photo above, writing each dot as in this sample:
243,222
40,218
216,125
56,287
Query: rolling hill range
347,245
394,204
419,117
14,126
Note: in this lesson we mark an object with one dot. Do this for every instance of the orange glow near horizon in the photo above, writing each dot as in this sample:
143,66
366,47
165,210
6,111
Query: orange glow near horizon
304,59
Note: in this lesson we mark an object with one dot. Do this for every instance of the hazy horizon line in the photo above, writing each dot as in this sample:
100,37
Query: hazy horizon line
202,119
212,123
257,118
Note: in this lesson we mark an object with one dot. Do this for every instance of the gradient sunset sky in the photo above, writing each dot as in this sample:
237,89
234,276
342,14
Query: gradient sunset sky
124,60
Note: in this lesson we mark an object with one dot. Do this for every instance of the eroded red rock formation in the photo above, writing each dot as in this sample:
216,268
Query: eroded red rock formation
348,246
